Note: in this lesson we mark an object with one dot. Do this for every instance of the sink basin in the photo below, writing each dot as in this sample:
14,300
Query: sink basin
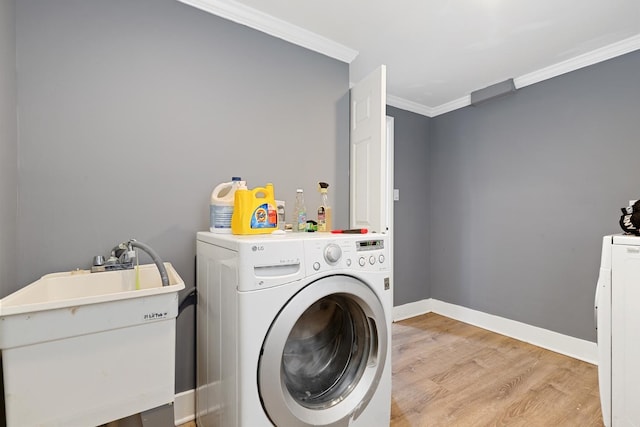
81,348
80,287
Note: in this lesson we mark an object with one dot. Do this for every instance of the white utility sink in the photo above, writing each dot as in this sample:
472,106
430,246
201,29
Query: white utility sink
81,348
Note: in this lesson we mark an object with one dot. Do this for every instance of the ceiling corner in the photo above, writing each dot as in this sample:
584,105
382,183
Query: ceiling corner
405,104
465,101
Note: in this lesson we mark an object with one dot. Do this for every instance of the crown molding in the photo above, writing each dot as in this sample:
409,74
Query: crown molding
405,104
414,107
590,58
253,18
452,105
605,53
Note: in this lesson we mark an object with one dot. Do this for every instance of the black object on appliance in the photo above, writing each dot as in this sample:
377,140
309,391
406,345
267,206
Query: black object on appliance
630,219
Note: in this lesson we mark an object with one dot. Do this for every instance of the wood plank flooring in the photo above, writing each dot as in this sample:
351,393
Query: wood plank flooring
450,374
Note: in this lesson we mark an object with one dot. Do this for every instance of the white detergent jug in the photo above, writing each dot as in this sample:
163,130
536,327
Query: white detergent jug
221,207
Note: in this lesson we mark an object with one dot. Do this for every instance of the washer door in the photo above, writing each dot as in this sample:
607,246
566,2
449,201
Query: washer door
324,354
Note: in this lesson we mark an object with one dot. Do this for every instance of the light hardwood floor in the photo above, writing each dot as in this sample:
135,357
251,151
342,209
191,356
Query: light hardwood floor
451,374
448,373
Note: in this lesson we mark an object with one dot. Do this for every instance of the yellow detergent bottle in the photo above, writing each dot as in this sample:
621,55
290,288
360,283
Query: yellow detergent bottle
254,211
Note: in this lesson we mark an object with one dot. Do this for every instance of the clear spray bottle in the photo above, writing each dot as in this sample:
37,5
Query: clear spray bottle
300,212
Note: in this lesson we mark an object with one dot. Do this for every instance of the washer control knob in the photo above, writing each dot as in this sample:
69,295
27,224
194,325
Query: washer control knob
316,266
332,253
381,259
361,261
372,260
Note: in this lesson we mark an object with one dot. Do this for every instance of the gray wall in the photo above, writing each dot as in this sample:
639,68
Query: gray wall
8,150
524,187
412,212
132,111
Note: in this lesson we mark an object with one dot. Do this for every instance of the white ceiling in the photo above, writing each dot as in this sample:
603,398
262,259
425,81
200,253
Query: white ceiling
438,51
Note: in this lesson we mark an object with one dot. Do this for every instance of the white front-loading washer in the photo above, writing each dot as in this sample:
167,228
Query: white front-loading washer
293,330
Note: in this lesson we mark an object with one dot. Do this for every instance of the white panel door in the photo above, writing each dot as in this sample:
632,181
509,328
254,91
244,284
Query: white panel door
369,193
625,336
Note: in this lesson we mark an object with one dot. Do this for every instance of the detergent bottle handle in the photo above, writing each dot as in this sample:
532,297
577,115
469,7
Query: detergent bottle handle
266,191
260,193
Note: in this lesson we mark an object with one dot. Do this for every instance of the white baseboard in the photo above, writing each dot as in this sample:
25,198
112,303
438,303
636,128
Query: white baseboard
570,346
412,309
184,407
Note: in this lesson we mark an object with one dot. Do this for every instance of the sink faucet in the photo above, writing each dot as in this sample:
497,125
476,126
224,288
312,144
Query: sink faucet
123,256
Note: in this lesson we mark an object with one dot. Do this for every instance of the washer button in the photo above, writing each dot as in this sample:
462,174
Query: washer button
372,260
361,261
381,259
316,266
348,262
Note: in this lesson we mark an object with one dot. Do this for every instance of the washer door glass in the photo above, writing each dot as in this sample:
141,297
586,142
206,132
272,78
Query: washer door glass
324,354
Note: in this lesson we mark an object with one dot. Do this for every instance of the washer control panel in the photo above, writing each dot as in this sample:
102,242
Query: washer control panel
366,253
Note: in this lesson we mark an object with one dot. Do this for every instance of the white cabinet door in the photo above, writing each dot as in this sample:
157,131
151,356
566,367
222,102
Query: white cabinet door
368,163
625,336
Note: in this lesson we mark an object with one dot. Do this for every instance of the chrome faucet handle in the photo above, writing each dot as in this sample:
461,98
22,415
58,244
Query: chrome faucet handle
98,261
130,253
